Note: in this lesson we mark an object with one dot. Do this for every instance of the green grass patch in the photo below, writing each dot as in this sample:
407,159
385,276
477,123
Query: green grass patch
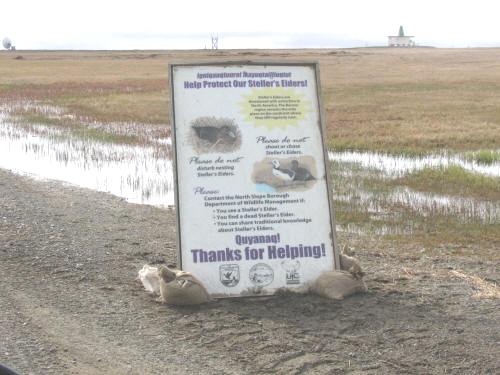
75,129
346,214
104,137
453,180
484,156
6,88
37,119
341,145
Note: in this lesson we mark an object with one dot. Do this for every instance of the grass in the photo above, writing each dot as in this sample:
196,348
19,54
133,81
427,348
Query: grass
453,180
487,157
77,129
101,136
414,102
143,107
411,101
458,239
36,118
415,117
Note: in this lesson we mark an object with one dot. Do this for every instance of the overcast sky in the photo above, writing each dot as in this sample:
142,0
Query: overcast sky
186,24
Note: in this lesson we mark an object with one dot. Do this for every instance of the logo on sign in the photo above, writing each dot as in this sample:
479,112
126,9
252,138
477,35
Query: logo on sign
291,268
229,274
261,274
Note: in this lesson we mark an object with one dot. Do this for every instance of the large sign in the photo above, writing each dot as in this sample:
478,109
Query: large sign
253,197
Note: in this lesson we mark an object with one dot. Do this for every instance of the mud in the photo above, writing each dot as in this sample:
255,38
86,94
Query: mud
70,303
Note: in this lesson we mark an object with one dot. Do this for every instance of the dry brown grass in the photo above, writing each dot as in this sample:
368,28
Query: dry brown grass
415,100
147,107
398,100
482,288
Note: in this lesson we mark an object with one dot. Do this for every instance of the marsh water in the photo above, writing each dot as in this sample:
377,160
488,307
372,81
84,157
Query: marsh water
138,173
399,165
142,172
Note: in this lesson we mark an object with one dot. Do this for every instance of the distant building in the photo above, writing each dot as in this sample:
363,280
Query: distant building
400,40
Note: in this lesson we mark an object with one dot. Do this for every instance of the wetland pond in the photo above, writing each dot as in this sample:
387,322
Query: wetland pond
141,172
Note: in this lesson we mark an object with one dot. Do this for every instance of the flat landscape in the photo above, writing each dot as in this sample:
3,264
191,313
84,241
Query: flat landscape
86,199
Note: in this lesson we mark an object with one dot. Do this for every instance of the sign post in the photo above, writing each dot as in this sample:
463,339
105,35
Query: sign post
253,198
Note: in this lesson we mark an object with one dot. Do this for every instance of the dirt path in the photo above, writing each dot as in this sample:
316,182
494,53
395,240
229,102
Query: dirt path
70,305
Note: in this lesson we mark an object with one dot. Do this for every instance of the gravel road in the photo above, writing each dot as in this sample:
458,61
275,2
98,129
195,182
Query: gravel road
70,303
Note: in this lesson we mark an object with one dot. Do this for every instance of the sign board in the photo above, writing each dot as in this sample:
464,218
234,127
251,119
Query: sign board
253,197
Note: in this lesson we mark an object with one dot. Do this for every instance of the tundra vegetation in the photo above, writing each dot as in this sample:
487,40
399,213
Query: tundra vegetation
403,104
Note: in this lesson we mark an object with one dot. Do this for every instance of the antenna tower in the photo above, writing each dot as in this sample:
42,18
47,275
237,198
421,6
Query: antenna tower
215,42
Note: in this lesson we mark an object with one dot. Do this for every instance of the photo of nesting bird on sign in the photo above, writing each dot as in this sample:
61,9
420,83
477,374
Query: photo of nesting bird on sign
212,134
285,173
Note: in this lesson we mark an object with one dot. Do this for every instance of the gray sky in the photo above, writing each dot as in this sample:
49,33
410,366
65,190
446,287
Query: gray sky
185,24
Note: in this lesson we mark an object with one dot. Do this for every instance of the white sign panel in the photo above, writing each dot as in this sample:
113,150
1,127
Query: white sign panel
252,192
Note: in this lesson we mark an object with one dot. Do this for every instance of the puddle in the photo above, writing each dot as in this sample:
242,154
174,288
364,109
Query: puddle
397,166
140,174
